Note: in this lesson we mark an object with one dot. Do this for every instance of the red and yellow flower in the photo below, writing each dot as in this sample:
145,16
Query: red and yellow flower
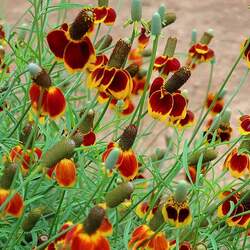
176,213
244,127
200,52
127,163
127,106
187,121
14,206
166,65
50,100
237,163
143,237
218,106
234,218
26,157
192,169
163,104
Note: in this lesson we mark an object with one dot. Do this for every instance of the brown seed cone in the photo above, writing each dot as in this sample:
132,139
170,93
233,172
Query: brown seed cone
77,138
8,175
119,54
62,149
94,220
128,137
132,69
81,25
119,194
43,79
208,155
177,79
104,42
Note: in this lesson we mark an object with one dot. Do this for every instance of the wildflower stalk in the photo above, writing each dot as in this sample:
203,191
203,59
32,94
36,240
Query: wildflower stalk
198,126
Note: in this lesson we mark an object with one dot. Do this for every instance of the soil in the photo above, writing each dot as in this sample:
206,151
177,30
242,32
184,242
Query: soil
228,18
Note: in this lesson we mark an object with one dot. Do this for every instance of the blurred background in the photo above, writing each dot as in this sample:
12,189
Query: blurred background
228,18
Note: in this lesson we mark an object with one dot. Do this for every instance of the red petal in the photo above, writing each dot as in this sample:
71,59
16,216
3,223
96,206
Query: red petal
128,165
160,105
57,40
100,14
179,107
15,206
78,55
172,65
156,85
107,78
89,139
245,126
160,61
82,241
101,243
111,16
55,102
66,173
105,228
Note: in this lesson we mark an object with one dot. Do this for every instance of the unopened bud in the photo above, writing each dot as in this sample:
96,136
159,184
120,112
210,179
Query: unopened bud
156,24
87,123
208,155
94,220
112,158
33,217
104,42
194,36
181,191
136,10
162,11
119,194
62,149
8,175
178,79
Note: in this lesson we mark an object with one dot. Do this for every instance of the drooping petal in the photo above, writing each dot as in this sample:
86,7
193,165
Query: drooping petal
160,61
57,41
179,107
121,85
89,139
139,235
107,78
66,173
244,125
129,107
82,241
160,105
95,77
100,14
158,242
143,39
156,85
127,165
78,55
111,16
187,121
106,227
56,103
172,65
103,97
100,243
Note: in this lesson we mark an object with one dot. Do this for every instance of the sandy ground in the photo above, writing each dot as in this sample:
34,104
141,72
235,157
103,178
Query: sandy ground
228,18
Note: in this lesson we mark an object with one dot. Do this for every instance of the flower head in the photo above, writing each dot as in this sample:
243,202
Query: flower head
218,106
127,163
244,127
246,55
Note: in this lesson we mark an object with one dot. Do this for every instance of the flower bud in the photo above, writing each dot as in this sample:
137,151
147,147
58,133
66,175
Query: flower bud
206,38
245,145
62,149
104,42
22,32
39,75
112,159
208,155
181,191
132,69
226,116
170,46
201,246
194,36
162,11
136,10
32,218
156,24
119,194
128,137
8,175
103,3
177,79
94,220
119,54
